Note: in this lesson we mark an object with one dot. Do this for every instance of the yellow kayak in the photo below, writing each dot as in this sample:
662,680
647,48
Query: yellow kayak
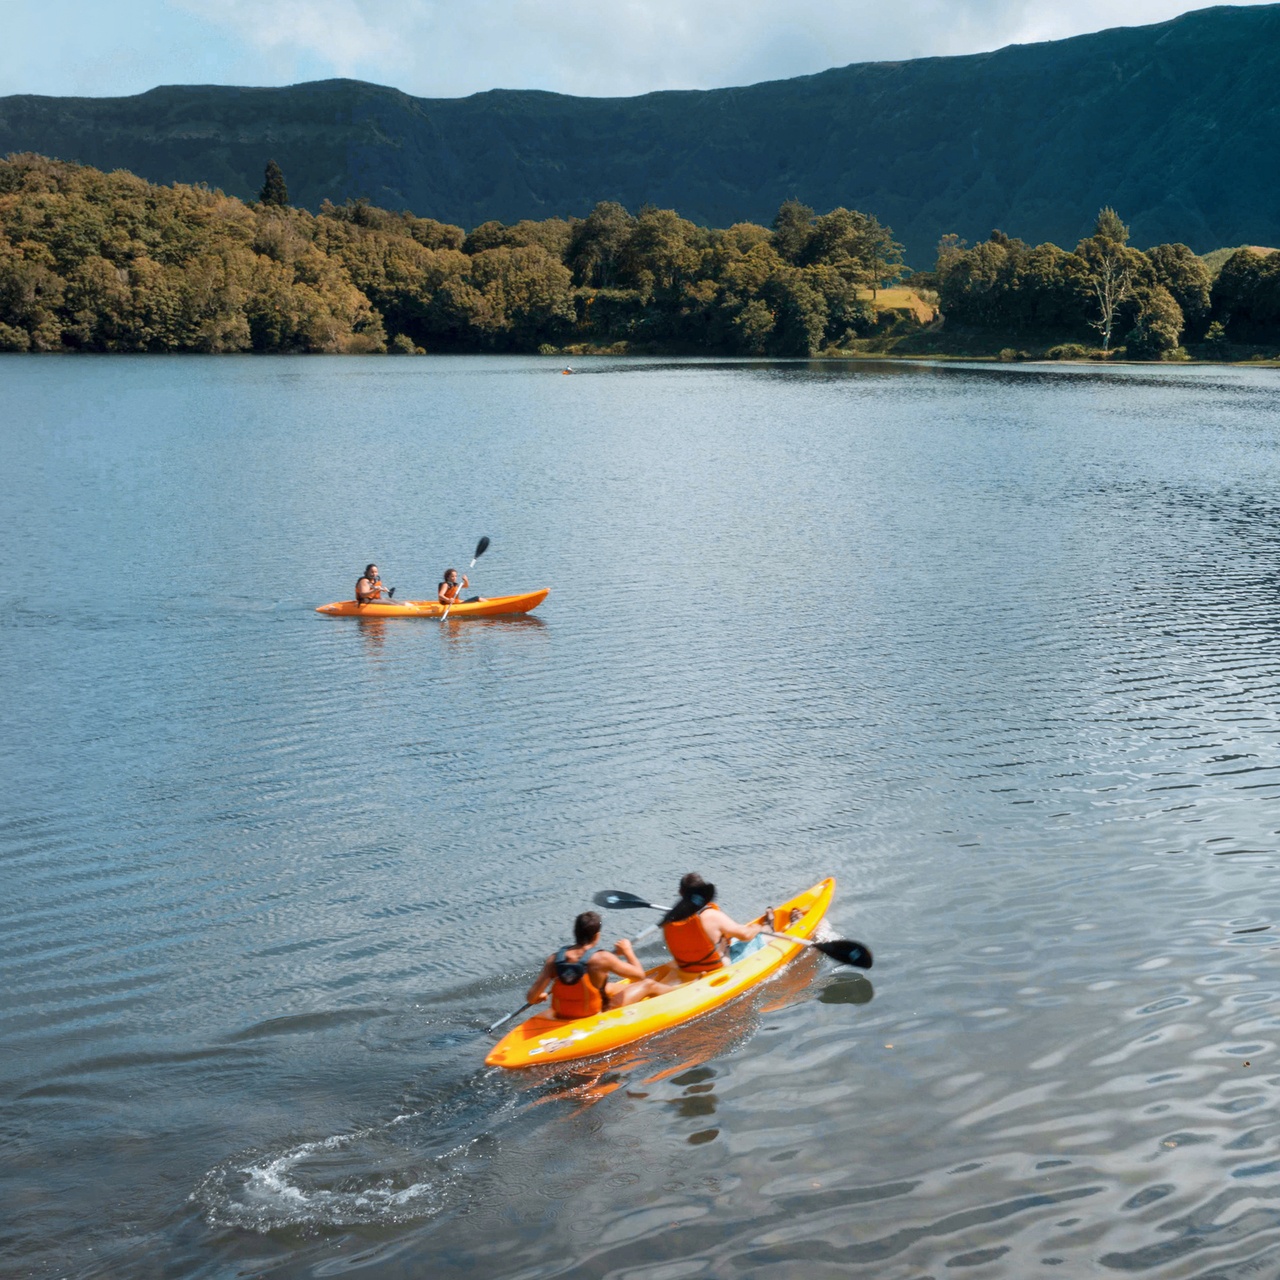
545,1039
494,607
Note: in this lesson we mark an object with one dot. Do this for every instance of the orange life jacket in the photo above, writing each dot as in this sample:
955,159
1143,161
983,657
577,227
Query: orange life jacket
573,994
690,944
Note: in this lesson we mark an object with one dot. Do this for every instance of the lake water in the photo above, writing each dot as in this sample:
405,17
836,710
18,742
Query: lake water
999,648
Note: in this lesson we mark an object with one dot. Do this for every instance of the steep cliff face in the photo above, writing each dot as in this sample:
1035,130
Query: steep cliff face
1177,125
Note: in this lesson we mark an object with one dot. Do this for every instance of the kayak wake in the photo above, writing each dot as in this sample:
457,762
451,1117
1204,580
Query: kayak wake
400,1170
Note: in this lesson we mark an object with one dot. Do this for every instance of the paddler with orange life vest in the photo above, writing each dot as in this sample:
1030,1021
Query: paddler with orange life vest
369,588
700,936
448,591
579,976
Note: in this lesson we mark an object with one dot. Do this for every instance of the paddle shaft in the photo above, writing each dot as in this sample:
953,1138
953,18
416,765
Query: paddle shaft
507,1017
789,937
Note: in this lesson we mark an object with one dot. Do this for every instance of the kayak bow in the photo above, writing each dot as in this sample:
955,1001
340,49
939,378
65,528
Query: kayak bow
546,1039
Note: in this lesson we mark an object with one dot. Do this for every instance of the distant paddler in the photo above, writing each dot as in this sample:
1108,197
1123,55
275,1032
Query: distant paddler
369,587
449,589
579,977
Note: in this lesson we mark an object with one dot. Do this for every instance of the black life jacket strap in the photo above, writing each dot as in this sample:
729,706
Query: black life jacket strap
571,972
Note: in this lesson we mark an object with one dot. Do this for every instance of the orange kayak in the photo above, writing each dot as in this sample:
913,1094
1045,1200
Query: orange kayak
495,607
544,1039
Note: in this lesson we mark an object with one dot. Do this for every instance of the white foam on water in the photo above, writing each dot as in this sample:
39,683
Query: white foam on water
271,1191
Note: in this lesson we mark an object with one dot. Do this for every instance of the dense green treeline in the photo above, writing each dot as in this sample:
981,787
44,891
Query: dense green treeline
107,262
1107,294
93,261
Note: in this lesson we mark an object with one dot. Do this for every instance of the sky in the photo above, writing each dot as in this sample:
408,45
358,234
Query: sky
449,48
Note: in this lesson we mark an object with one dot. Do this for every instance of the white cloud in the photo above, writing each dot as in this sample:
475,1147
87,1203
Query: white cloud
344,33
444,48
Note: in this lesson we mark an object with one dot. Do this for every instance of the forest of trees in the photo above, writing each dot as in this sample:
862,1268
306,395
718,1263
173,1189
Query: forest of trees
93,261
1108,294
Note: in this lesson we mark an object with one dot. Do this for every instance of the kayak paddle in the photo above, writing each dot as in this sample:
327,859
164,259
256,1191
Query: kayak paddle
481,547
844,950
507,1017
620,900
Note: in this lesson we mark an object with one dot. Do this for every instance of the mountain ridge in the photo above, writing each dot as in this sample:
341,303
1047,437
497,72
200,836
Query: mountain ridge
1176,124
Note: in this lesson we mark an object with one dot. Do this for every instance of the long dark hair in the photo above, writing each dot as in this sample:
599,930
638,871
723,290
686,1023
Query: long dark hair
695,894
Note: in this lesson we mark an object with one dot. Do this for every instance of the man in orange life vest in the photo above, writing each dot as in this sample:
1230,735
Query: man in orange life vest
579,976
700,936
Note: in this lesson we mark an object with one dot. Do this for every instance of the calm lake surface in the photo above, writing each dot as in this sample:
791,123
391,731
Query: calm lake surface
999,648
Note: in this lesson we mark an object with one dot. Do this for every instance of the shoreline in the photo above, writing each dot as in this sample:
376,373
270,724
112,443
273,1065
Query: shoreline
832,357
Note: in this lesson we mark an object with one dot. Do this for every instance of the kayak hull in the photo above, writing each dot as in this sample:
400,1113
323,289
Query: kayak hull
495,607
544,1039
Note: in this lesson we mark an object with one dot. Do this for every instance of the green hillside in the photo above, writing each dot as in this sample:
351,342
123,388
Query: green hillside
1178,124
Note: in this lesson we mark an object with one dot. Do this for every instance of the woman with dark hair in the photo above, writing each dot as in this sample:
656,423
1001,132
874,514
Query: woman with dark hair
700,936
369,589
448,591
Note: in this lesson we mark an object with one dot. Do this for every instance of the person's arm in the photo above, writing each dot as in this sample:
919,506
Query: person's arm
622,961
729,927
363,589
538,992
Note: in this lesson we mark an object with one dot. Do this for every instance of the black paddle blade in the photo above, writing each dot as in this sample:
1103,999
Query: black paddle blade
847,952
481,547
620,900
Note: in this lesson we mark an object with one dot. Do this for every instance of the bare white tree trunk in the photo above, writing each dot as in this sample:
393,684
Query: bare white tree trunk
1112,282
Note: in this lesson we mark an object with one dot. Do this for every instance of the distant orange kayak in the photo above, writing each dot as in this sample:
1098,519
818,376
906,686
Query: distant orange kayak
545,1039
494,607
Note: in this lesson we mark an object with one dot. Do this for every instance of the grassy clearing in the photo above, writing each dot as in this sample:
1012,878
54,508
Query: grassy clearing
905,300
1213,261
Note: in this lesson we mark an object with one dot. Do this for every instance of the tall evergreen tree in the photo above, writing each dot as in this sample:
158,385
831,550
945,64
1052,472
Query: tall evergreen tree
1108,226
274,190
792,227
